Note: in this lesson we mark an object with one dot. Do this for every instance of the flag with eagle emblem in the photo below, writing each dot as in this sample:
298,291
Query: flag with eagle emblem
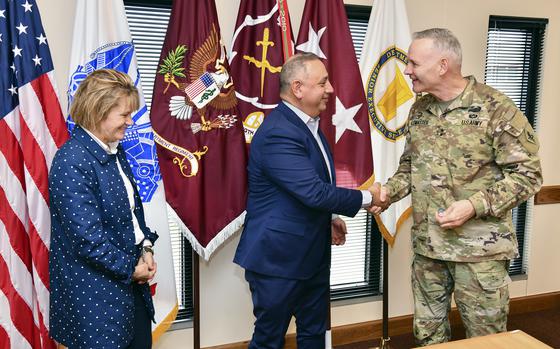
200,141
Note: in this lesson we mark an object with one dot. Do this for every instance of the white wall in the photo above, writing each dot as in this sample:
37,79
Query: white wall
225,300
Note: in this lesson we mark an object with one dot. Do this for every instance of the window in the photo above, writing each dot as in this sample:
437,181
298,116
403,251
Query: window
513,66
356,266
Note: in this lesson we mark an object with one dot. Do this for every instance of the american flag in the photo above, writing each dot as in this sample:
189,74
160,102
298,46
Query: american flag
201,84
31,130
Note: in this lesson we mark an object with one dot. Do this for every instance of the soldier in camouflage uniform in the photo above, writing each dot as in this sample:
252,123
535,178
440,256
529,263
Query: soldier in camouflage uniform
470,157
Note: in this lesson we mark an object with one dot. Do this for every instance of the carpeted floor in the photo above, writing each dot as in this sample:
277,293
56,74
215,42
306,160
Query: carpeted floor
543,325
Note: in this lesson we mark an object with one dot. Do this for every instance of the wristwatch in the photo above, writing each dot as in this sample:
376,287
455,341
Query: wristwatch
146,249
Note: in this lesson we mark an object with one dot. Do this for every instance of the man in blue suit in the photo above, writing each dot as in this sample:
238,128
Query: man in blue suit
285,246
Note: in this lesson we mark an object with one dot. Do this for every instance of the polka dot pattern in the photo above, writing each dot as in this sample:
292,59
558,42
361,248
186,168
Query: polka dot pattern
92,250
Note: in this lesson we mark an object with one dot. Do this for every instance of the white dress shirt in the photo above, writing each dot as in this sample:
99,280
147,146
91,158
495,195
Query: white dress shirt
313,125
111,149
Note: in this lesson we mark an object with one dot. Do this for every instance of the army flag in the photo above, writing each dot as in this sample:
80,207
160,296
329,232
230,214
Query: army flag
262,41
389,97
102,40
324,31
199,135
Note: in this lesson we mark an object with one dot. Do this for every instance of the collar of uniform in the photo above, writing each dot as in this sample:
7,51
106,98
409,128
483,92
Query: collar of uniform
464,100
312,123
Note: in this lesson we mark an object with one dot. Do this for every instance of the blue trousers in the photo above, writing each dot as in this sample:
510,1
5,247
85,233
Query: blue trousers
142,324
276,300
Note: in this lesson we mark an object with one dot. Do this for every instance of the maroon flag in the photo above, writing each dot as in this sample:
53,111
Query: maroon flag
262,41
199,136
324,31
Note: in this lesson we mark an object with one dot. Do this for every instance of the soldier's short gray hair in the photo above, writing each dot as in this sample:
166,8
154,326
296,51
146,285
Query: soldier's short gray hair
293,66
443,39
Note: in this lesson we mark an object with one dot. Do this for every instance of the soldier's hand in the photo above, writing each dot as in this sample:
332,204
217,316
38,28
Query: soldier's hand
380,198
456,215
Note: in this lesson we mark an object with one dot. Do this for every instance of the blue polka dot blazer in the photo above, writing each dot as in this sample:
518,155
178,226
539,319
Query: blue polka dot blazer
92,252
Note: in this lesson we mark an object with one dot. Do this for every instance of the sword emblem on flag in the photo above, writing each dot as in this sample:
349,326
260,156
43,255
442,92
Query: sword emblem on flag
262,40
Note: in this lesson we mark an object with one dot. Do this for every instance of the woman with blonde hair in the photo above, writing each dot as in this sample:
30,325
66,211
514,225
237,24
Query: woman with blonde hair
101,255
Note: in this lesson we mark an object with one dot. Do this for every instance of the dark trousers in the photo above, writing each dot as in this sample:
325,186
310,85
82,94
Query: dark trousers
276,300
142,324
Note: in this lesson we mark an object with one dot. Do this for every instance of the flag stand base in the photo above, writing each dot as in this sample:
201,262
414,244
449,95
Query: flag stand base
385,337
384,344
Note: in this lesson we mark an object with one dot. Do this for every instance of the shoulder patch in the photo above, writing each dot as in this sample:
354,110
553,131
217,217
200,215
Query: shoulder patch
529,140
522,130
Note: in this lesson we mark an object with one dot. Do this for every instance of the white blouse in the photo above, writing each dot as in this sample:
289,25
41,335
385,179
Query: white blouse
111,148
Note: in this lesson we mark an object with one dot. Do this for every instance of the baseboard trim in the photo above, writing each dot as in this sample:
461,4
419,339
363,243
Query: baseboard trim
398,325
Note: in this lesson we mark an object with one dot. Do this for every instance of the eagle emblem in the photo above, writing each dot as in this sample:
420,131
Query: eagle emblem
208,84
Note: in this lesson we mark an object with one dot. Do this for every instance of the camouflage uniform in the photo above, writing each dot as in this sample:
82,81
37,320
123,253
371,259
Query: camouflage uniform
481,148
481,294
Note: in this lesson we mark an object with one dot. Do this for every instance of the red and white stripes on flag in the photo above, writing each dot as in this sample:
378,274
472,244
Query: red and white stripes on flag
30,136
201,84
32,129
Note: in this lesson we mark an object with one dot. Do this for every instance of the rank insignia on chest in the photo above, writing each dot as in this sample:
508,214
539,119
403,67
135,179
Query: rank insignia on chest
473,116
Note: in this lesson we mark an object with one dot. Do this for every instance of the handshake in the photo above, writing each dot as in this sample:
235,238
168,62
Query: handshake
453,216
379,198
379,203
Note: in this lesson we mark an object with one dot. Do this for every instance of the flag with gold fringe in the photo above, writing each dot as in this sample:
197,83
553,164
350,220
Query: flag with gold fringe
389,97
199,134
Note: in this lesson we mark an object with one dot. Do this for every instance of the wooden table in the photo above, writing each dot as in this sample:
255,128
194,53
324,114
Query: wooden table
507,340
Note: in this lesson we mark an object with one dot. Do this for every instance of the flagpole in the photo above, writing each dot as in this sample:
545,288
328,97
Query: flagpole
384,341
328,334
196,299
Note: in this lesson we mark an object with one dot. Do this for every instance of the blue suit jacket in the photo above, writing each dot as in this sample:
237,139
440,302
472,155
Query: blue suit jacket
92,252
291,198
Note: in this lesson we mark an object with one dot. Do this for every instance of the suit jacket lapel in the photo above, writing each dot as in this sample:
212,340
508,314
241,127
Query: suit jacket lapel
293,118
329,154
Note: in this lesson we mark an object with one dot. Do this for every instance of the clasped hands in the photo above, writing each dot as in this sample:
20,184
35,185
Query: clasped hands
379,202
379,198
145,269
453,216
